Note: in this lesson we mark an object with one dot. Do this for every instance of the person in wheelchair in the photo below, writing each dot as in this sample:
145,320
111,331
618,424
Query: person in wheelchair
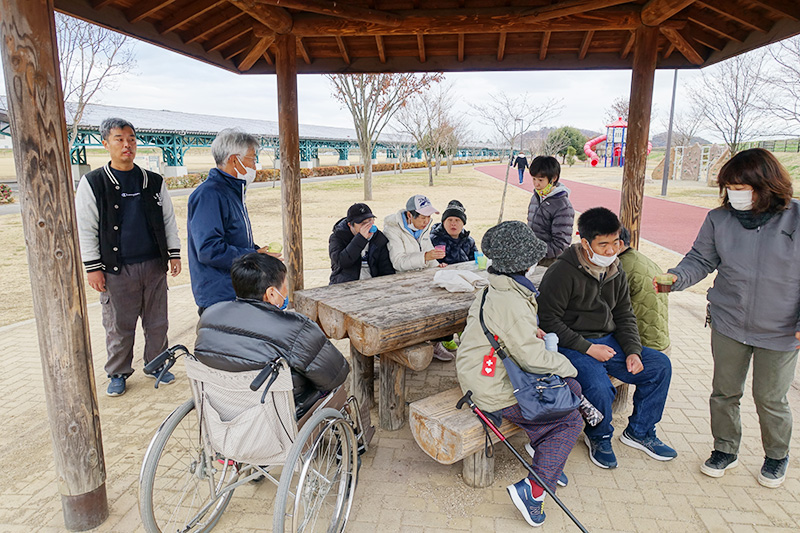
255,329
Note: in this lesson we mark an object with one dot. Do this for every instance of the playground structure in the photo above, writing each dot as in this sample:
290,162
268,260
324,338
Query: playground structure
694,163
614,152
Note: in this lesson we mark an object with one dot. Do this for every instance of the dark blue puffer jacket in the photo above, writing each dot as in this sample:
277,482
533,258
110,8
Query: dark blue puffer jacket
458,250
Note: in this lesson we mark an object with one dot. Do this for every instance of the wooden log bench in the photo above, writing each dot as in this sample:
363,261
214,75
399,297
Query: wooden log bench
448,435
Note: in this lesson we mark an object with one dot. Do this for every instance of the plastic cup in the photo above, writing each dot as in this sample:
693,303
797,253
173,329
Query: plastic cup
441,247
664,283
275,247
482,260
373,229
478,255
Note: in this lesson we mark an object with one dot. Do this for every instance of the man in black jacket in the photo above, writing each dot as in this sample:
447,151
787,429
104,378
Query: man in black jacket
255,329
358,249
585,301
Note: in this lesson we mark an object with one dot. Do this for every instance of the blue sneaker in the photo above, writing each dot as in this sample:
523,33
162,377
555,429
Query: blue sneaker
528,498
562,481
117,386
167,379
600,452
649,444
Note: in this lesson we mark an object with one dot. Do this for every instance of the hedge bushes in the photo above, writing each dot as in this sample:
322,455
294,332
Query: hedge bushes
5,195
272,174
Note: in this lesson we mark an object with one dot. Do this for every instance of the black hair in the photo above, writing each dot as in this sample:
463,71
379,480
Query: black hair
413,213
625,235
597,221
254,273
114,123
759,168
545,166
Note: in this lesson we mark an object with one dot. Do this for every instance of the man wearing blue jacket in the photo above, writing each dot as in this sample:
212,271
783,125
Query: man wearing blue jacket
219,226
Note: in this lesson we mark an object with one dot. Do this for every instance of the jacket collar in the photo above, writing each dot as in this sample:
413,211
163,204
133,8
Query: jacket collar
438,230
570,256
110,175
226,179
501,282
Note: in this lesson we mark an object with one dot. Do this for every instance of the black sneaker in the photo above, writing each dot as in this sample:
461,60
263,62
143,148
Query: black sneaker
718,463
773,472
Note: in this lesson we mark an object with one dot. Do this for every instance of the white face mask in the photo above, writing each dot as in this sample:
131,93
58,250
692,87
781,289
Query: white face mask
249,174
740,200
601,260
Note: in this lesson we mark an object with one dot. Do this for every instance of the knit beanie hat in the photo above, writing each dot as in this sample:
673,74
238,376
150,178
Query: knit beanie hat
512,247
455,209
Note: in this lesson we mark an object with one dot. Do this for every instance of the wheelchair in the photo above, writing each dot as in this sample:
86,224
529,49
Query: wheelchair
235,430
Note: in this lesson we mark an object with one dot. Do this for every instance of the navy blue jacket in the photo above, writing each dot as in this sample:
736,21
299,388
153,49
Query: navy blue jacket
219,232
345,251
458,250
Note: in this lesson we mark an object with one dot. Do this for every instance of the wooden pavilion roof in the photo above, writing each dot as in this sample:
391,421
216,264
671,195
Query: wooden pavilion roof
445,35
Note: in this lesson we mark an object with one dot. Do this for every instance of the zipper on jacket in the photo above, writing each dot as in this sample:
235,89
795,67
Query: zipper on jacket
246,217
752,289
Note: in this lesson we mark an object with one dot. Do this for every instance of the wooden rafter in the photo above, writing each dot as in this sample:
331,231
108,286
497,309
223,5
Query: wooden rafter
226,18
303,52
501,46
275,18
381,48
566,8
544,45
99,4
421,47
144,9
668,52
736,11
460,47
225,37
338,9
655,12
255,53
343,49
728,30
199,7
268,58
683,45
235,48
706,38
435,23
783,8
587,41
626,50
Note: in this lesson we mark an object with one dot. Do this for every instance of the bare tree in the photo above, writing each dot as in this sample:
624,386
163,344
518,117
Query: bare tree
729,94
786,81
686,125
512,117
373,99
457,133
91,59
423,119
619,108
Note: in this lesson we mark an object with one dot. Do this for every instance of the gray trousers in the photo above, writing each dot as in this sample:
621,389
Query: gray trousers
773,373
139,290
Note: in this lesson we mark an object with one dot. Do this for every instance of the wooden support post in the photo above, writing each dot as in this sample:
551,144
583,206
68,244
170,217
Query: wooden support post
362,374
645,55
289,133
392,404
478,470
41,155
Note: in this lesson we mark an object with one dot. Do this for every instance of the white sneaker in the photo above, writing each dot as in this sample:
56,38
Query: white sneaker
441,353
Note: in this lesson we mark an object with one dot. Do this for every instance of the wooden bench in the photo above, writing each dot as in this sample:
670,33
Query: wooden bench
448,435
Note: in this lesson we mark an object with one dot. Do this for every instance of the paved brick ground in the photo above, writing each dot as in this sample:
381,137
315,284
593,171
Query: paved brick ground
401,489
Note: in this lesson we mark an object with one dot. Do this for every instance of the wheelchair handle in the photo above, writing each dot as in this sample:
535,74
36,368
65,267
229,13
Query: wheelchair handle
271,369
170,353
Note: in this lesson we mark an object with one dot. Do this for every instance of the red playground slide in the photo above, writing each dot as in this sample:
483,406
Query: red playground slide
591,154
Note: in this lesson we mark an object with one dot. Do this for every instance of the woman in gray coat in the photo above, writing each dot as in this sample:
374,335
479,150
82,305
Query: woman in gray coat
753,242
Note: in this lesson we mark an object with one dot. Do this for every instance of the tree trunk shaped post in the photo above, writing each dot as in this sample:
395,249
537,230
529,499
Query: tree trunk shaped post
645,56
41,155
289,132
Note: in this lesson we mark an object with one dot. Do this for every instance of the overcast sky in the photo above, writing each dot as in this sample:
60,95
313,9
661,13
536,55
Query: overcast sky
167,80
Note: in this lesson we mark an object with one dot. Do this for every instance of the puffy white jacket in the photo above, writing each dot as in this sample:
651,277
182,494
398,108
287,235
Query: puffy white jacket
406,252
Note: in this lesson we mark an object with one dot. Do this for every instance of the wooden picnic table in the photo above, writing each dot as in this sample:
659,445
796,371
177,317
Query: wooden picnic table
391,316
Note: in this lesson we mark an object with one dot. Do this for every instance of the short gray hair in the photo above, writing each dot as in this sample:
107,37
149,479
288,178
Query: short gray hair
113,123
232,141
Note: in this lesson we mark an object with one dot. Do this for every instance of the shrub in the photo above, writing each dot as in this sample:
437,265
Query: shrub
185,182
5,195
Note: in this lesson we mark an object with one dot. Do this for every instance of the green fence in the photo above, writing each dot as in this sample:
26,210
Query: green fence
780,145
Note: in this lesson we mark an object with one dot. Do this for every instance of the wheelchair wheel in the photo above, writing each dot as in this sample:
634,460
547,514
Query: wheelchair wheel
180,486
319,478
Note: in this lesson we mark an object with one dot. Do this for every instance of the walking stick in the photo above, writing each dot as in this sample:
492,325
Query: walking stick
467,399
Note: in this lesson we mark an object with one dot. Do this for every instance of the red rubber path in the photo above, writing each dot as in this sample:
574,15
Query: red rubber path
670,224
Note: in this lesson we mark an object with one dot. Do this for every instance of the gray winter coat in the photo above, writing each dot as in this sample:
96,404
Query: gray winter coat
551,219
247,334
756,296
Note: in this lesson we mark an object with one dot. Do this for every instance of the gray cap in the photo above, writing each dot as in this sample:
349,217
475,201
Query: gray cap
512,247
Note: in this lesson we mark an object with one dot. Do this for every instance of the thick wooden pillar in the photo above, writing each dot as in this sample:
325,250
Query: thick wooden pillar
289,135
41,156
645,55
